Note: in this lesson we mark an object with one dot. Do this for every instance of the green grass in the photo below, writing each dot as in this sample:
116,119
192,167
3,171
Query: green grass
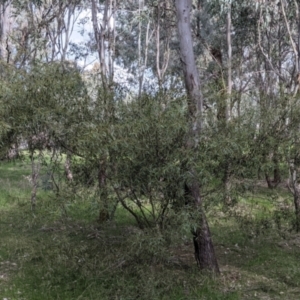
60,252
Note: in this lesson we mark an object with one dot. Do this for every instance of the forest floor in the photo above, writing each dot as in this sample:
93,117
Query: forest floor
57,253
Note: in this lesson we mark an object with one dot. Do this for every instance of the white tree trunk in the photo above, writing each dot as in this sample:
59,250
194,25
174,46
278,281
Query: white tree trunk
5,28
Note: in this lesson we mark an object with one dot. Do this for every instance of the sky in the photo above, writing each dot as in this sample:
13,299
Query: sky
80,36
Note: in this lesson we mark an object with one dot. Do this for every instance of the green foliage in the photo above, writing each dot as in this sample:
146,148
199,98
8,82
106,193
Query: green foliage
148,153
48,99
49,255
140,148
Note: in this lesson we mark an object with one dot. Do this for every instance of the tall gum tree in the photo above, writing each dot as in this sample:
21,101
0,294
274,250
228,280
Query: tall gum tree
204,249
5,28
104,33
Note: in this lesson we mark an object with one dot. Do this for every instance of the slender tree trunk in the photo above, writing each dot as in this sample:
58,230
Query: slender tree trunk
104,211
226,178
68,171
276,171
273,183
162,51
293,184
143,58
105,38
5,14
227,183
35,171
294,188
297,210
204,250
229,67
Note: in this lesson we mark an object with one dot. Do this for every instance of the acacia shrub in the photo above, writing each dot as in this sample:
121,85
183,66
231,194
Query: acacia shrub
146,155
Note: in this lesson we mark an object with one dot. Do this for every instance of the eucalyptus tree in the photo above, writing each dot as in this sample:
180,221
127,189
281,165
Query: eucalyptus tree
242,75
44,30
273,63
290,11
204,250
104,33
5,29
103,22
292,154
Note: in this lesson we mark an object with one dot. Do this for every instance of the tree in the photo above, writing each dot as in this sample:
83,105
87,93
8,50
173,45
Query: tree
5,28
204,249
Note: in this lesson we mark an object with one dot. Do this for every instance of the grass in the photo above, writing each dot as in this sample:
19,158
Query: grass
60,252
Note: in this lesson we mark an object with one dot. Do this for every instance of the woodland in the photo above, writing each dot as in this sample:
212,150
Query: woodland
149,149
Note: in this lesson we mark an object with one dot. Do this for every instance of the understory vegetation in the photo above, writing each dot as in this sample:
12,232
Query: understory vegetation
60,251
149,149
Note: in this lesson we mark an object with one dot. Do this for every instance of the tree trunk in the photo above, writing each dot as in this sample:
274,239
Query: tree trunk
202,242
269,181
204,250
105,38
68,171
5,27
227,184
276,172
203,245
226,178
35,172
104,211
229,72
294,188
297,210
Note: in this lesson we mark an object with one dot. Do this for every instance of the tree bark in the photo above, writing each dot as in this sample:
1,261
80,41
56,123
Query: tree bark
35,172
229,67
297,210
5,27
294,187
105,44
68,171
276,171
204,250
104,211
